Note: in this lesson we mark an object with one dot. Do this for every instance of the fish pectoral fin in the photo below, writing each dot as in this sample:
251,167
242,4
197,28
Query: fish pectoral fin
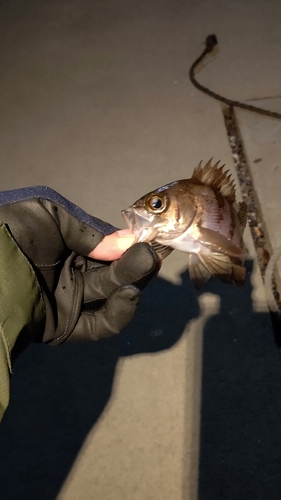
216,241
199,274
238,272
218,264
163,250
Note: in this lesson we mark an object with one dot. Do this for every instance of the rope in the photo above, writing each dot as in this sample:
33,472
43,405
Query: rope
210,42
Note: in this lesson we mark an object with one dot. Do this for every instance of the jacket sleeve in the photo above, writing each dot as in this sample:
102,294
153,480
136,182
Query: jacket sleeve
22,312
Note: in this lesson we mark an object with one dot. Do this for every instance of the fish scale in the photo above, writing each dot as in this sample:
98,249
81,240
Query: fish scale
198,216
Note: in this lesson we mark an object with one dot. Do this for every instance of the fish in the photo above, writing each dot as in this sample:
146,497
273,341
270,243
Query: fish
199,216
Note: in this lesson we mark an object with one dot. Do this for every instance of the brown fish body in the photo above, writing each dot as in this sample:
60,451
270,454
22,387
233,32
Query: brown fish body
198,216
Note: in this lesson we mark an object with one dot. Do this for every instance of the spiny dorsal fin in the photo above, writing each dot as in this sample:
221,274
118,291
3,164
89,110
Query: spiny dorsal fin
242,214
214,176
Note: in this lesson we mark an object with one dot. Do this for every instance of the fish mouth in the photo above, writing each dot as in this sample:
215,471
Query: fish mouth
128,215
140,224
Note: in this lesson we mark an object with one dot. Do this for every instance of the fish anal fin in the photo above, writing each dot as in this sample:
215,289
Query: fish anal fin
242,214
199,274
218,264
215,177
163,250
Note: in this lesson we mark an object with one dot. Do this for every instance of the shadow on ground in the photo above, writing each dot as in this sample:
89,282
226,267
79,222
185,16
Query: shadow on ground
240,449
59,393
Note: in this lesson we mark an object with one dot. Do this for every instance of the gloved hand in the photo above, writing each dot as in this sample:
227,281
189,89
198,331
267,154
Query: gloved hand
84,298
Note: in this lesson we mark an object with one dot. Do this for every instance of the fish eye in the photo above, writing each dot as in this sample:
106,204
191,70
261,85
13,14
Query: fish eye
156,204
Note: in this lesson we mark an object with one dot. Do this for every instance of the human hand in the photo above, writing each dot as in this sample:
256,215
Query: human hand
84,298
113,245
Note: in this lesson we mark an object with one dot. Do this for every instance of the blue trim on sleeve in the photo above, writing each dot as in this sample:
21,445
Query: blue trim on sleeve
24,194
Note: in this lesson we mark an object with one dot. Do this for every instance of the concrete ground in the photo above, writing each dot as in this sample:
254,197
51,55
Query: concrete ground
96,103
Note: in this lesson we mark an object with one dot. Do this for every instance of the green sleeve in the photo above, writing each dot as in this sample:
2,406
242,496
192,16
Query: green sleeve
21,306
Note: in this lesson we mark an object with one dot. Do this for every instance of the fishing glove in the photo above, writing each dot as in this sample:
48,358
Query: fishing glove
84,299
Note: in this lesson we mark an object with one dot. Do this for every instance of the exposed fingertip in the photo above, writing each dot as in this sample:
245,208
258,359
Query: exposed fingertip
113,245
126,233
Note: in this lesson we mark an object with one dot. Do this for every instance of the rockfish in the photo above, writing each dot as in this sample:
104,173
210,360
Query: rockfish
198,216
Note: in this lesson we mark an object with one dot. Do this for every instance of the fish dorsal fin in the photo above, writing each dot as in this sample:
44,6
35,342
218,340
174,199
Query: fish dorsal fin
242,214
214,176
